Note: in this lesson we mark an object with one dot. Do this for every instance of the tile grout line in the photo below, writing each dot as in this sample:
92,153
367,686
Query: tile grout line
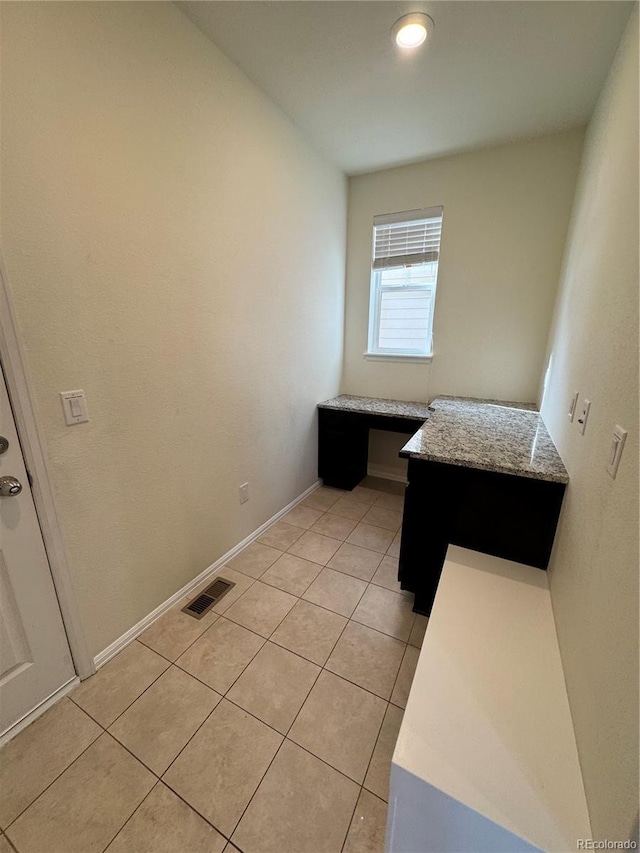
361,521
398,676
297,654
353,814
393,636
286,737
388,703
349,619
322,606
225,695
386,711
160,778
111,840
279,623
12,846
324,669
108,726
307,601
137,758
362,688
193,809
61,772
342,541
254,716
257,788
268,640
35,800
299,597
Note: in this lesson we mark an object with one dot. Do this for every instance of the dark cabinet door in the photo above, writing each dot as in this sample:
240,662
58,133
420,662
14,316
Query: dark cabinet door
501,514
430,509
343,447
508,516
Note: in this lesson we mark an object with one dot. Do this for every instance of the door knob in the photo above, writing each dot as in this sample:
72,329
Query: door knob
9,487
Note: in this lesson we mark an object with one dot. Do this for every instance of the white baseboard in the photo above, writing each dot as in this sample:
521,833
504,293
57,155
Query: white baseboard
33,715
129,636
386,473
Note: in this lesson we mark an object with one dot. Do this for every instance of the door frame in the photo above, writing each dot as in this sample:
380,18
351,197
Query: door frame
13,365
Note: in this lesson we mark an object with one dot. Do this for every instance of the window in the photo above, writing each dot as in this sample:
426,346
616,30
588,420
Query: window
406,248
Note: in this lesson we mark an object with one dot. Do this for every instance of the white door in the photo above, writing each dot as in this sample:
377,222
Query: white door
35,661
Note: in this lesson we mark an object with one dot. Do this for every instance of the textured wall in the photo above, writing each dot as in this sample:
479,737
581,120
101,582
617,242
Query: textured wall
383,453
506,211
594,347
175,248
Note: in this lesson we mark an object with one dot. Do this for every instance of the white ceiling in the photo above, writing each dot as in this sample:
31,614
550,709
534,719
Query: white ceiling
494,71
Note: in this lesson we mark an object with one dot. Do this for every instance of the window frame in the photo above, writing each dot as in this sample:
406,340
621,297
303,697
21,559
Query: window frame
375,308
376,289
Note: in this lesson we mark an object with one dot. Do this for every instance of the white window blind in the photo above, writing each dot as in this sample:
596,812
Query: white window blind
406,250
406,238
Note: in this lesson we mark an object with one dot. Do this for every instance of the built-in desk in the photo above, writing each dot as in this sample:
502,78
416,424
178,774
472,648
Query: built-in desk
482,474
343,433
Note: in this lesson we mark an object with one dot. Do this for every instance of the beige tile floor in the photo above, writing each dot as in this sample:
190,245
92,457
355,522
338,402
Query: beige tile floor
265,727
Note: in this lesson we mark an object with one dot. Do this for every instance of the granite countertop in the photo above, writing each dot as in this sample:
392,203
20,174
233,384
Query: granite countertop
377,406
509,438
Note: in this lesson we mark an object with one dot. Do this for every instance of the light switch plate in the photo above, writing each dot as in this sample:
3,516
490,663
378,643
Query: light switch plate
74,406
573,405
615,451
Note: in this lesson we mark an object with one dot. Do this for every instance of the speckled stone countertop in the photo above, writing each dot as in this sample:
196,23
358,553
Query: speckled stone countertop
376,406
494,436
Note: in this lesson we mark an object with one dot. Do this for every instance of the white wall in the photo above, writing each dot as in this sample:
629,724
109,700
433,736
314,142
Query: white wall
383,454
506,211
594,344
175,248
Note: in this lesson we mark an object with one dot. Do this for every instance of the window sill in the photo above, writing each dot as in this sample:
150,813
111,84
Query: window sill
378,356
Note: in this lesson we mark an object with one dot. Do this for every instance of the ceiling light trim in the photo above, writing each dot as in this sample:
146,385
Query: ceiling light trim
412,30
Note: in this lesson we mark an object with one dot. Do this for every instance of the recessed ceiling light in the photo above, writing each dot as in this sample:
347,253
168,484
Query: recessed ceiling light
412,30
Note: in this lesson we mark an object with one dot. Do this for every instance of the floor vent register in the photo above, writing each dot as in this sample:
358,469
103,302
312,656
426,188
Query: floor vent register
205,600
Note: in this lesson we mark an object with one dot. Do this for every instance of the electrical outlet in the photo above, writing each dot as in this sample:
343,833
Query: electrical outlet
244,493
584,416
573,405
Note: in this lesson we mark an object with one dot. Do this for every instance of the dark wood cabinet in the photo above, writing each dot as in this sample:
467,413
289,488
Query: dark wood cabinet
343,448
501,514
343,443
508,515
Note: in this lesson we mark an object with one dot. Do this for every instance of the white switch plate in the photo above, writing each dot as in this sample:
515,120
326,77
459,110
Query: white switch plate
615,451
583,417
74,406
244,493
573,405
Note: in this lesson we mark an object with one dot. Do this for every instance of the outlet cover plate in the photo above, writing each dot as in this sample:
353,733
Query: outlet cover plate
583,417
